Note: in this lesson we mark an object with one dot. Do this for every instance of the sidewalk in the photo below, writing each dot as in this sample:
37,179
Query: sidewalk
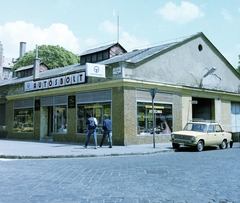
15,149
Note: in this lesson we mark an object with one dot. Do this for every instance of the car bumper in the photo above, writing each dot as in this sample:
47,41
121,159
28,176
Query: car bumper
184,142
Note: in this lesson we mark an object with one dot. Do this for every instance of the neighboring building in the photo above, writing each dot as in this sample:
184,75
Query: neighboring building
5,65
192,78
7,68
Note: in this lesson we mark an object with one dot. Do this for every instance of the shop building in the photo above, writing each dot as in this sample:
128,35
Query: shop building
191,77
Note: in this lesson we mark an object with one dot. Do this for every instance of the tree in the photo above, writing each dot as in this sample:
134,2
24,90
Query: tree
52,56
238,68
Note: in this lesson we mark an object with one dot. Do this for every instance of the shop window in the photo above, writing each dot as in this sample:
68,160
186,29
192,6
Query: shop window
94,57
97,110
99,56
83,60
88,59
23,120
105,55
163,118
60,119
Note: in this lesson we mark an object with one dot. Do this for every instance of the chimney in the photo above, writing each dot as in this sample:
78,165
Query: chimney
22,50
36,65
1,61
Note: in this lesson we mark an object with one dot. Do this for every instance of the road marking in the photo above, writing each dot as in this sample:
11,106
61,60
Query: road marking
6,159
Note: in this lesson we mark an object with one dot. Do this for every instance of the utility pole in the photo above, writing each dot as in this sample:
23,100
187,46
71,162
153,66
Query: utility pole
153,93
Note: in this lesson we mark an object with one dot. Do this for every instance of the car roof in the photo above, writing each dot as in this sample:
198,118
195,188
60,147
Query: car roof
202,122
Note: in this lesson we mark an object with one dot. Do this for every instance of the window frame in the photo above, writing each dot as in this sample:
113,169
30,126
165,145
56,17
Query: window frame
19,125
163,123
97,110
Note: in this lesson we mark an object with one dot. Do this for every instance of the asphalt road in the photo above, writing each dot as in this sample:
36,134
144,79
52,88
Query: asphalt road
173,177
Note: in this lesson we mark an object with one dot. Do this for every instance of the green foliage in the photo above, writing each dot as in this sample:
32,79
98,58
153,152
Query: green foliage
238,68
52,56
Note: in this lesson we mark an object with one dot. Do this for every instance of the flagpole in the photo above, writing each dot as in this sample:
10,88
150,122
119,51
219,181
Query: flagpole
118,28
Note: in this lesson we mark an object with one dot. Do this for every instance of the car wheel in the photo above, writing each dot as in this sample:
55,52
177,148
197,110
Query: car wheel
223,145
175,145
200,145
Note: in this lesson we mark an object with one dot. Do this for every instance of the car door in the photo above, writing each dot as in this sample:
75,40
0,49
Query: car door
211,137
219,134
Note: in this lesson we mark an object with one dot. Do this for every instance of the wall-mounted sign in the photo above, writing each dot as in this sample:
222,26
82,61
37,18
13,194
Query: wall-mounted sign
95,70
117,71
71,101
55,82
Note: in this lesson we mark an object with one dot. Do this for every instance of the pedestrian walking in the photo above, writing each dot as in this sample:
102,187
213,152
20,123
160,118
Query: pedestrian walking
91,125
107,130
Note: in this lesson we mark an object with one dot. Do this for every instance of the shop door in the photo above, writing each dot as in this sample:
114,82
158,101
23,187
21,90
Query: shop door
203,109
56,120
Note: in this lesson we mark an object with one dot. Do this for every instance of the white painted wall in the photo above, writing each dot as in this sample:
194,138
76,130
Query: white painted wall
186,65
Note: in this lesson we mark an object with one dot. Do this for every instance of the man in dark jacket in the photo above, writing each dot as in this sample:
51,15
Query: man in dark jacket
107,130
91,125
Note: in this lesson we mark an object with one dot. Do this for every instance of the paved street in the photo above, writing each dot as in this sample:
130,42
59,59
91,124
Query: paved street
184,176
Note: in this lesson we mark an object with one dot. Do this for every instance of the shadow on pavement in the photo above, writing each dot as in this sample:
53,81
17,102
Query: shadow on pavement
193,149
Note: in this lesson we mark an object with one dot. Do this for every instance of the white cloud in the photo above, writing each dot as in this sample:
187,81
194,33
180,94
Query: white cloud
90,43
130,42
12,33
182,14
108,27
226,15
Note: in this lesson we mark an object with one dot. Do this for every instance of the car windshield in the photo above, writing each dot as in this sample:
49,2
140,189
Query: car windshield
198,127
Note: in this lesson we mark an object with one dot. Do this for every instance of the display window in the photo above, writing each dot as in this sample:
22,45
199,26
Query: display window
23,120
163,118
97,110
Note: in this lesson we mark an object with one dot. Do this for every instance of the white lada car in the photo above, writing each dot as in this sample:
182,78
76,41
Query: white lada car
201,134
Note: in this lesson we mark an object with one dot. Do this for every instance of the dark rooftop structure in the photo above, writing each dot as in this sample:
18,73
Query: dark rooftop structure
101,53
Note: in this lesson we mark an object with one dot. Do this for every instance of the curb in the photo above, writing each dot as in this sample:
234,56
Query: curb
83,155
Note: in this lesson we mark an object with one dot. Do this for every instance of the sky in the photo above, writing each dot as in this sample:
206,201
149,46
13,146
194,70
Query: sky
78,25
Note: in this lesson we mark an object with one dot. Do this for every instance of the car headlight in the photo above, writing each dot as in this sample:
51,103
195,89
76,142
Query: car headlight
192,138
172,136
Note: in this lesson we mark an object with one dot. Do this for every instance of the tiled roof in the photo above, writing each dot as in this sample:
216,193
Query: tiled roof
24,68
46,74
98,49
138,55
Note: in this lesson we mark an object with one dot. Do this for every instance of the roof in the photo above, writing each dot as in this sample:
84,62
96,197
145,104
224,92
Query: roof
46,74
138,55
25,68
102,48
29,67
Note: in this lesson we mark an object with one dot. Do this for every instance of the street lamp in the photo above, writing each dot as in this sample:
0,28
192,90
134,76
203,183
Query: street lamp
211,71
